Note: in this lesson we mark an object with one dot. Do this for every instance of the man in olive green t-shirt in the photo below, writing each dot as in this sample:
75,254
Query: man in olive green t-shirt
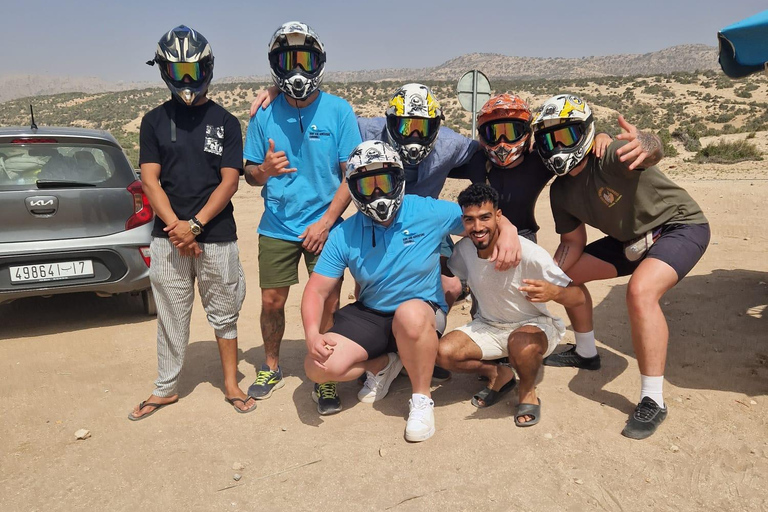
656,233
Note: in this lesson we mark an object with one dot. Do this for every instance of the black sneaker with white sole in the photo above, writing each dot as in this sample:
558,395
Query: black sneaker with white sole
645,419
570,358
327,398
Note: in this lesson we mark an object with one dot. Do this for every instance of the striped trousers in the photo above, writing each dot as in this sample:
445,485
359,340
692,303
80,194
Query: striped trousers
221,285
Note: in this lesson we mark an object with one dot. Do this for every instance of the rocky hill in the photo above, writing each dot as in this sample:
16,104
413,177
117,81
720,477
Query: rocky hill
683,58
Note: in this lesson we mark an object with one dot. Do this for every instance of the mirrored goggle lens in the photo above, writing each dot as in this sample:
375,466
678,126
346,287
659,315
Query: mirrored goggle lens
418,126
308,61
367,185
566,136
492,133
178,70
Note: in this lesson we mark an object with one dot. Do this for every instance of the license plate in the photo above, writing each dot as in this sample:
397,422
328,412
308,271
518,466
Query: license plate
51,271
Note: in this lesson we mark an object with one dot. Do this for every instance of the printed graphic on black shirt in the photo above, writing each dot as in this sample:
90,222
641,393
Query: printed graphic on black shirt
214,139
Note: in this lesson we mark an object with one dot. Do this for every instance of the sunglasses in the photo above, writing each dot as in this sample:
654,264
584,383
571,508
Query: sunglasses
511,131
565,136
289,59
178,70
367,185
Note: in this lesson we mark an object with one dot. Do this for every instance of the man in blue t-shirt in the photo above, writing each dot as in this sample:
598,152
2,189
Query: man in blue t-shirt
296,150
391,248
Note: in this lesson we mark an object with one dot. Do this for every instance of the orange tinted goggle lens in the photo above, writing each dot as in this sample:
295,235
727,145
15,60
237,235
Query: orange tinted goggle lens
509,130
367,185
307,60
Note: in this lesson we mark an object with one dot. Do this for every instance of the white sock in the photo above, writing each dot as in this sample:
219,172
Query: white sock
585,344
652,388
418,397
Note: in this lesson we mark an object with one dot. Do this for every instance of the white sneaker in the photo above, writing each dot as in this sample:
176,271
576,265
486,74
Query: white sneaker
376,386
421,420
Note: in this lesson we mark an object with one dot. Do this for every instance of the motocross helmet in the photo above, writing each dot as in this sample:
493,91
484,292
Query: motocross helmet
376,179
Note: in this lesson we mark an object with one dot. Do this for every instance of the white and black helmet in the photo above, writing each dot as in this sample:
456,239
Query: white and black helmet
413,122
376,179
564,132
296,59
185,60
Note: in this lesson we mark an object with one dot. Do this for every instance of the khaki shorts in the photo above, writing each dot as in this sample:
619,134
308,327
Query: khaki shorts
279,262
492,338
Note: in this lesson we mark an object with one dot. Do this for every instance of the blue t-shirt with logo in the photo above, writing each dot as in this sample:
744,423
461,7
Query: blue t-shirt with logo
396,263
451,150
315,144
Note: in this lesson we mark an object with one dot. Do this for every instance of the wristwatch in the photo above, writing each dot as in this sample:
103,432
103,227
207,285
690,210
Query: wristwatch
195,226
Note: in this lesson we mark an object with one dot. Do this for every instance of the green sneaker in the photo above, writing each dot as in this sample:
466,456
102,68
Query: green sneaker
326,398
267,381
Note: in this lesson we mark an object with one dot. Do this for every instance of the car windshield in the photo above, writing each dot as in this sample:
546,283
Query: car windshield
22,165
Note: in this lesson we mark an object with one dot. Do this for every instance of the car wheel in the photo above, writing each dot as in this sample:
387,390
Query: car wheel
148,299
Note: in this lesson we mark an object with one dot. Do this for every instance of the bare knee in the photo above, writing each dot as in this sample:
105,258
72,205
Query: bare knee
330,371
526,344
412,319
640,295
273,300
448,353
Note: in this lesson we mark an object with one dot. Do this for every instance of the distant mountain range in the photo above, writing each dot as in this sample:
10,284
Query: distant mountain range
682,58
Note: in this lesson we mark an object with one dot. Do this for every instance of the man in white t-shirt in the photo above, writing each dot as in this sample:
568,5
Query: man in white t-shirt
512,320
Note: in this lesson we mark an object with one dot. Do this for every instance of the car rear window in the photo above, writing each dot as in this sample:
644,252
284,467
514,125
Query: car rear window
23,165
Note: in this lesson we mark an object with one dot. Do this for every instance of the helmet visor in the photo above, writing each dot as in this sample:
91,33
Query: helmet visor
177,71
414,127
492,133
559,137
367,185
288,59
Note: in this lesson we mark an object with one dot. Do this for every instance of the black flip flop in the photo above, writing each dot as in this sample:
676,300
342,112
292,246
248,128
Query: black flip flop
144,404
232,401
490,397
528,410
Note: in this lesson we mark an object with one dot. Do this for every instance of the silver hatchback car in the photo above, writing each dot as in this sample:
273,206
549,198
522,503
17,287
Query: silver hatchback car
75,218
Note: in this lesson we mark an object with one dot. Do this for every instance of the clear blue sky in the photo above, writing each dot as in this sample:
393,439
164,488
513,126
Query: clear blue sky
112,39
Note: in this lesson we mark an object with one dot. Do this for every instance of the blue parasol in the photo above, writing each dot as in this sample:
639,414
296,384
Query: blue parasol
744,46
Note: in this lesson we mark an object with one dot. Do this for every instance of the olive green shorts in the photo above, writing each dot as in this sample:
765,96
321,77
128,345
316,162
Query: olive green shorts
279,262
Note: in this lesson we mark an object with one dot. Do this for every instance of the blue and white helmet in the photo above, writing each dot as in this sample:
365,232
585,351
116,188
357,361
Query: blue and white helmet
296,59
374,157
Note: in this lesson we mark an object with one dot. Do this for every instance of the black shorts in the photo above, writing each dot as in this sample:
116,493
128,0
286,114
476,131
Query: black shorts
680,246
372,329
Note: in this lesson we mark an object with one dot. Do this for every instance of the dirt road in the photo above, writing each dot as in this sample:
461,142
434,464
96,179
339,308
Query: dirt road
83,362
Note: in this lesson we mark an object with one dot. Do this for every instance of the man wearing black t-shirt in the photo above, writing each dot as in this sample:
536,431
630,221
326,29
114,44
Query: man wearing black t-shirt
191,161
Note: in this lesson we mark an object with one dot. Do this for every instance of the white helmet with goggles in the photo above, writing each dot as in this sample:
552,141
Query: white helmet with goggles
413,122
564,131
185,60
376,179
296,59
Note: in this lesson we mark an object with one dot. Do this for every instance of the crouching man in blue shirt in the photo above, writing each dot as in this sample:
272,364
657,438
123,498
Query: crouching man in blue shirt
392,249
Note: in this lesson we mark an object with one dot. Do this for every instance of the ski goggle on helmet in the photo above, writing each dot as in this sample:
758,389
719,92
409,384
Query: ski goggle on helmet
503,126
413,122
288,59
178,71
296,59
185,60
376,179
564,132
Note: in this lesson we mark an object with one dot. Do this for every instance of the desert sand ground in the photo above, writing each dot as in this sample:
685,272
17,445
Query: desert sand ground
73,362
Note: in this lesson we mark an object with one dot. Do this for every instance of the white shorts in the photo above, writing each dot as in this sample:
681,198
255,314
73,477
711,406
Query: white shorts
492,338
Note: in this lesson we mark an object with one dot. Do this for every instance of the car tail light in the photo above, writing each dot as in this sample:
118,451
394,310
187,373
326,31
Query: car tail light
145,255
31,140
142,211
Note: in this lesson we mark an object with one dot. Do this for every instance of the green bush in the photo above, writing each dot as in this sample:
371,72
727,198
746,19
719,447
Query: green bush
728,152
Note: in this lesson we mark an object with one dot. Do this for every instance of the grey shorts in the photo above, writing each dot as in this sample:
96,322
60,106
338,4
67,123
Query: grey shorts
680,246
